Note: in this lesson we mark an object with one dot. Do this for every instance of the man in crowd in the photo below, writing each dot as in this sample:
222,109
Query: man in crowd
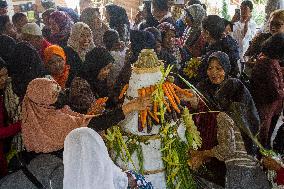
19,20
3,8
161,11
245,29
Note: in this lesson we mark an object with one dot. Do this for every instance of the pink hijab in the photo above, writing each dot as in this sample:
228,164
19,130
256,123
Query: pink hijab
44,128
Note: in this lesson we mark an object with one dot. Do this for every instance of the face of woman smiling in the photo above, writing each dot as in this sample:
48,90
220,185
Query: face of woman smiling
215,72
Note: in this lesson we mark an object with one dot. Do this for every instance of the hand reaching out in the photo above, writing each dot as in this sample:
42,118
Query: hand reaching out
195,160
96,109
137,104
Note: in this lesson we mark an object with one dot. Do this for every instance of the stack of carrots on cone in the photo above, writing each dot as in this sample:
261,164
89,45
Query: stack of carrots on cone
171,101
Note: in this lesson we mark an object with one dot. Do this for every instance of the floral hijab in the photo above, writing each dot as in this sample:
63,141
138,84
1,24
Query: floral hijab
73,42
196,13
64,23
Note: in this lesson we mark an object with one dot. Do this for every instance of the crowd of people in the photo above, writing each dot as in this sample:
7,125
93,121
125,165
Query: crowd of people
52,77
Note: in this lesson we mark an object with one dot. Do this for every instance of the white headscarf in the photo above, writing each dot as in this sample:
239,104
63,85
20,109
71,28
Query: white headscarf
75,35
87,164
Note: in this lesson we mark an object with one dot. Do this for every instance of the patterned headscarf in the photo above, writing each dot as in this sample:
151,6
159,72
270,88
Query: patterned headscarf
62,19
223,59
196,13
56,50
75,35
64,23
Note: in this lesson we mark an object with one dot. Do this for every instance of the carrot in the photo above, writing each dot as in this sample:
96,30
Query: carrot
123,91
149,125
167,105
176,87
173,103
140,128
148,91
155,104
186,93
144,112
170,88
170,92
153,88
143,92
155,108
153,116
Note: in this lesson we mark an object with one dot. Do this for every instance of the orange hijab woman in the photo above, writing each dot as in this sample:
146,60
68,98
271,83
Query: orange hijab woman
55,63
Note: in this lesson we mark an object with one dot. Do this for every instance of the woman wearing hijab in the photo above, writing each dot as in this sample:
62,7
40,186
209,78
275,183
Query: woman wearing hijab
25,66
96,69
91,17
193,40
79,44
46,31
44,127
169,45
55,63
162,55
6,130
85,152
60,25
222,93
81,96
7,47
267,86
140,40
118,20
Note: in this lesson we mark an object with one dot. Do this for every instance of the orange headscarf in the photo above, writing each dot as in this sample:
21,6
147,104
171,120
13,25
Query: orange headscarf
56,50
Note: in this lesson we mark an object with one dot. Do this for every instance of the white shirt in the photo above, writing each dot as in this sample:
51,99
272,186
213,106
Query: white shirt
243,40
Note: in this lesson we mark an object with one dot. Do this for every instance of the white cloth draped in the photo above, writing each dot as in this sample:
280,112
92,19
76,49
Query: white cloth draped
87,164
